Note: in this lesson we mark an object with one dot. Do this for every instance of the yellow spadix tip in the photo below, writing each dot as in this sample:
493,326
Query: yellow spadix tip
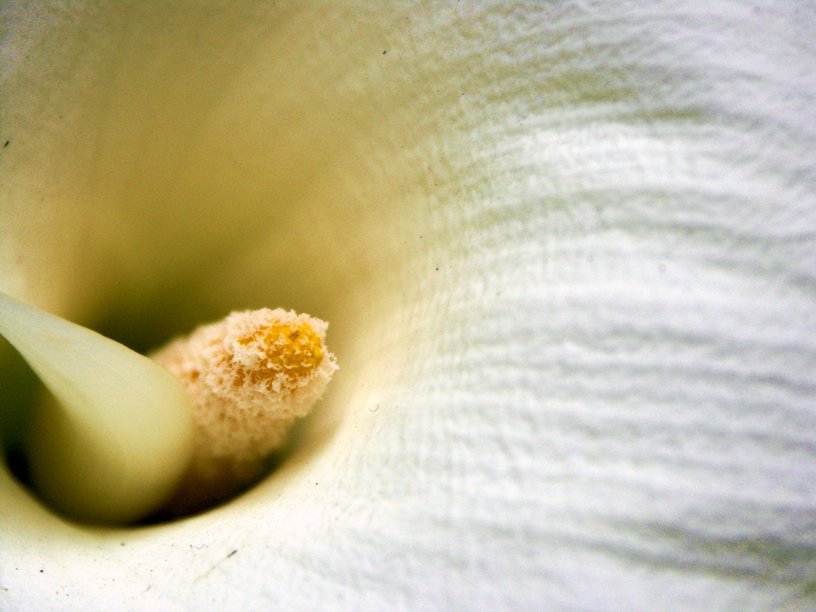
293,349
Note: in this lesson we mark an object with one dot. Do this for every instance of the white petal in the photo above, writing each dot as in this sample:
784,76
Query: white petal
120,437
602,398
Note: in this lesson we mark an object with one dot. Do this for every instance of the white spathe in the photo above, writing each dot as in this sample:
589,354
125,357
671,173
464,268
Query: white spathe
119,438
567,252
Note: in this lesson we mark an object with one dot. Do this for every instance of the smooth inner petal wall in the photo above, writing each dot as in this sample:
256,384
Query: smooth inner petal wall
566,253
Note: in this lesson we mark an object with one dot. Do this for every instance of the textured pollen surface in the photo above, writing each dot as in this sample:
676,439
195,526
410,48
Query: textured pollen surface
287,354
249,377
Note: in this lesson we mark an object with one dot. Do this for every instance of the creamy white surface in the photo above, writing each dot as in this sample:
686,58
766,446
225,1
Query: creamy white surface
567,253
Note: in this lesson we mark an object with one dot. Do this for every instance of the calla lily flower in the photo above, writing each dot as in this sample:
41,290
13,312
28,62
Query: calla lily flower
566,250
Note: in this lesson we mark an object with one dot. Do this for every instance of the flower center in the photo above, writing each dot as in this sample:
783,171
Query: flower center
289,349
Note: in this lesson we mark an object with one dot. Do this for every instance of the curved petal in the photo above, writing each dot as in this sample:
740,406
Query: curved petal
119,437
567,252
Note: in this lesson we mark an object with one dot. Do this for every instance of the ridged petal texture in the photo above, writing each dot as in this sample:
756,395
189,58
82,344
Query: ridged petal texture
566,250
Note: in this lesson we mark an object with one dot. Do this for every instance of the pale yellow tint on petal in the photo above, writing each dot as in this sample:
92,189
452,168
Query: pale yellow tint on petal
114,444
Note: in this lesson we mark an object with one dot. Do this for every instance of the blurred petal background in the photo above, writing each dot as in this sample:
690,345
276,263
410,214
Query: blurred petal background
566,249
